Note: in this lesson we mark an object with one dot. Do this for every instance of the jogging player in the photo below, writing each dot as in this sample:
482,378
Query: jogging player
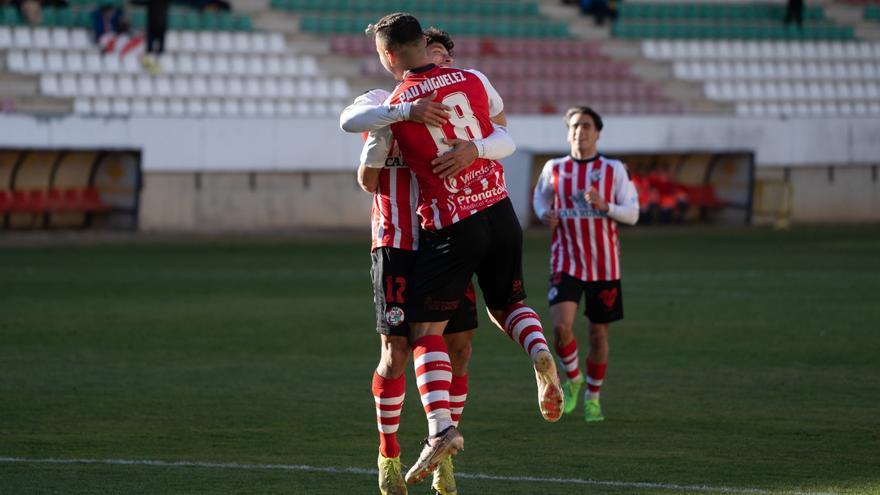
582,197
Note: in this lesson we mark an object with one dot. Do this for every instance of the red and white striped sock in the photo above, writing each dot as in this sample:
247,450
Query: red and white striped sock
388,394
522,325
568,354
595,377
433,376
457,397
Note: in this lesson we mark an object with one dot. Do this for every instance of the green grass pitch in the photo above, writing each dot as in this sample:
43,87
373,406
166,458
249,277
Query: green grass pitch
748,362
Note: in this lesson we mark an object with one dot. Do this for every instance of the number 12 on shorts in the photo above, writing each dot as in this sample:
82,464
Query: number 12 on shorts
392,294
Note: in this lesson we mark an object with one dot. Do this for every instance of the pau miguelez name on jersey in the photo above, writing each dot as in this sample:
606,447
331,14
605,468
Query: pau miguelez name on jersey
430,84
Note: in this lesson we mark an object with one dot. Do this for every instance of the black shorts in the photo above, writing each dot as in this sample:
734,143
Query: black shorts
390,270
488,244
604,298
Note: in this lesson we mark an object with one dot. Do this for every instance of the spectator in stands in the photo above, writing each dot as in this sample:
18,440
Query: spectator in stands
113,32
31,11
795,11
599,9
213,5
157,24
107,19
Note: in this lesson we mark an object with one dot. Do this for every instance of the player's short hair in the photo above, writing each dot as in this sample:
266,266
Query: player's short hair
597,119
437,35
397,30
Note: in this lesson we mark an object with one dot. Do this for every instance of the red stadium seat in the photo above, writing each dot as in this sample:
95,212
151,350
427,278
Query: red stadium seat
5,201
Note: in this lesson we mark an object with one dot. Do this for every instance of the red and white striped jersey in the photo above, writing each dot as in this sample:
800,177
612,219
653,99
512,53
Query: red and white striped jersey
585,243
394,221
443,202
393,217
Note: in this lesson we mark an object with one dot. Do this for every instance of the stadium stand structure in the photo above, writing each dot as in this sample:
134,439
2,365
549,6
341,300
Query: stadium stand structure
304,58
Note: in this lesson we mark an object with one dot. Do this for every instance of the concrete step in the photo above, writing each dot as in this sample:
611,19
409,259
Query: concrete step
41,106
19,84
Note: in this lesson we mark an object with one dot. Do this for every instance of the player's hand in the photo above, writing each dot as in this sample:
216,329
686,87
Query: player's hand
427,111
596,201
462,154
550,219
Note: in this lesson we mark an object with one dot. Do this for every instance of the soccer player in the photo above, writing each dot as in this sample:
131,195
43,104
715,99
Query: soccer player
469,227
394,239
582,197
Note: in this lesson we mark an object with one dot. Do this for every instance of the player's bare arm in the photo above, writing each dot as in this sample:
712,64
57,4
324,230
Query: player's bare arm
499,119
368,178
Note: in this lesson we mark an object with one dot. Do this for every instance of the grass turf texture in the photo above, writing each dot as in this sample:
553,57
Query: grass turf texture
748,359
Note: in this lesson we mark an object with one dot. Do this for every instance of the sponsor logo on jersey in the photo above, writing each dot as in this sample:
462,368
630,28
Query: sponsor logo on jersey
394,316
394,162
582,208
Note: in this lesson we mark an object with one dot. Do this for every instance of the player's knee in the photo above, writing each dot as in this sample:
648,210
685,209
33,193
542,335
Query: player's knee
394,359
460,354
563,330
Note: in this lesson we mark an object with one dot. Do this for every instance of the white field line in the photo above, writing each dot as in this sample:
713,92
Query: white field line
372,472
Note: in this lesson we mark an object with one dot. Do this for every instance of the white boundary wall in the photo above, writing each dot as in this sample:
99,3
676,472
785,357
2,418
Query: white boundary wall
218,144
263,174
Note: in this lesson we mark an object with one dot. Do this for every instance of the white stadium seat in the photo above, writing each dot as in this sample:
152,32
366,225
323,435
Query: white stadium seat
36,61
195,107
185,64
284,108
267,108
223,42
21,38
198,86
125,86
102,107
162,86
158,107
80,39
176,107
49,85
241,43
207,41
259,43
41,38
181,86
238,65
217,86
82,106
234,87
213,107
60,39
276,43
5,37
69,85
249,108
256,66
204,65
16,61
121,107
140,106
221,64
231,107
252,88
269,88
88,85
106,85
144,86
